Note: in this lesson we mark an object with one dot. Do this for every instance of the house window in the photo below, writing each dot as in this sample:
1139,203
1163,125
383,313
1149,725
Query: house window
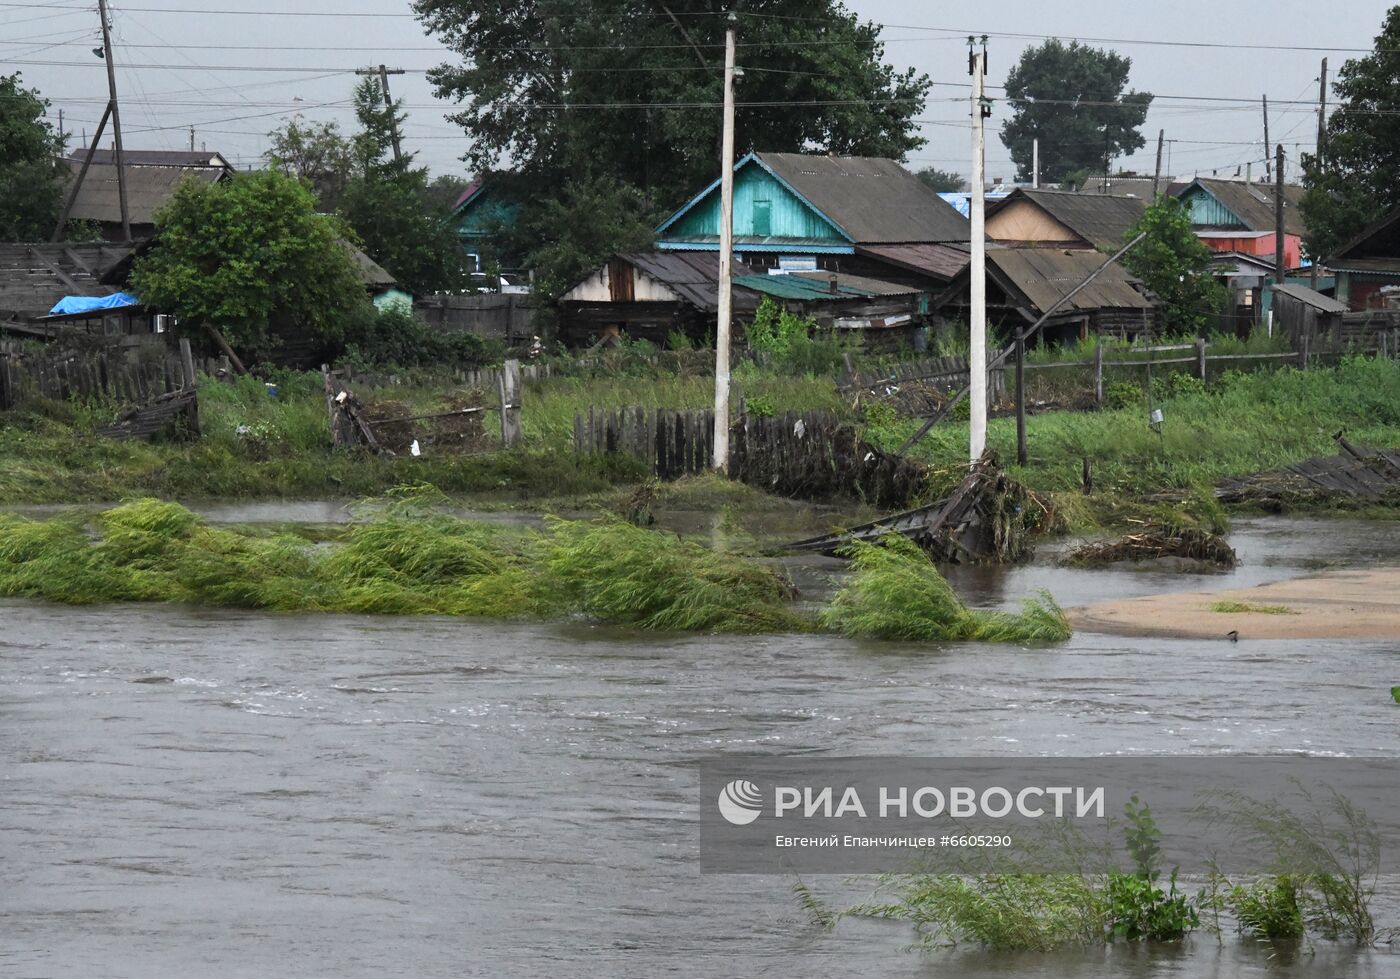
762,218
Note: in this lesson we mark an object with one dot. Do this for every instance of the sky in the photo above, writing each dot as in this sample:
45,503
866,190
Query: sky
235,69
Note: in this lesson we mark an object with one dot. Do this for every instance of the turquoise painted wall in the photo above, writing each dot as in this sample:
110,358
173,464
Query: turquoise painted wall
1205,209
788,216
484,212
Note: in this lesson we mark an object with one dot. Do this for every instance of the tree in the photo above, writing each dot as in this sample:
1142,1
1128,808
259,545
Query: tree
1352,182
444,191
941,181
317,153
1176,265
1073,98
629,89
251,256
31,195
387,202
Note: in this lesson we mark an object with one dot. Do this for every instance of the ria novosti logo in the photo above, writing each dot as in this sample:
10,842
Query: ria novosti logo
740,802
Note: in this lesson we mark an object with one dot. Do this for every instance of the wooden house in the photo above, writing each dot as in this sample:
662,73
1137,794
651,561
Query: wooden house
1059,219
148,189
1024,283
1369,265
1235,216
806,212
480,212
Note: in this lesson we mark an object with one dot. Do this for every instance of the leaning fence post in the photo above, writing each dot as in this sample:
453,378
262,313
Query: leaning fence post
510,403
1201,357
1098,373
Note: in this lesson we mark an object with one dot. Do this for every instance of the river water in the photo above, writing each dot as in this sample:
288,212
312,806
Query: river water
204,792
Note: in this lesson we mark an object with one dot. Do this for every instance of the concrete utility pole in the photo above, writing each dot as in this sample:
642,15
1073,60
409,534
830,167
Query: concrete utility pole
1280,265
1157,174
1035,163
1321,149
116,119
977,284
1267,174
384,74
726,256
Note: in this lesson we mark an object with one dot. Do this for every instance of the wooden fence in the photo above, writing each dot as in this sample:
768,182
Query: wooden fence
945,373
124,375
487,378
491,316
806,454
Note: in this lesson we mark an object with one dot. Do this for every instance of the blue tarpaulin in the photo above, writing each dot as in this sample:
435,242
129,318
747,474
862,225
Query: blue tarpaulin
83,304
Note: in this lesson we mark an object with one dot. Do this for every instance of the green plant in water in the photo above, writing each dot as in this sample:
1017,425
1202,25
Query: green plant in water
1269,909
895,592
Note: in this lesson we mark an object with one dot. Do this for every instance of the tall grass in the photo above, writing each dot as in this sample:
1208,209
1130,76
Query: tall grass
895,592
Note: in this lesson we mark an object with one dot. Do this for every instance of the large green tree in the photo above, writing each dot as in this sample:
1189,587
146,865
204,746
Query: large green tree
1352,181
1074,98
253,258
941,181
30,171
630,89
1176,266
317,153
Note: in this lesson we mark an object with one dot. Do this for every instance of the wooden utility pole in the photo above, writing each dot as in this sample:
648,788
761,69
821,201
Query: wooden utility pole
977,285
383,73
1020,398
116,118
1280,265
1157,174
1267,175
726,256
191,139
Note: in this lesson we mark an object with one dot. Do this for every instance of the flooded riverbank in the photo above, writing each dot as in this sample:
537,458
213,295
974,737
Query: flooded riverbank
219,792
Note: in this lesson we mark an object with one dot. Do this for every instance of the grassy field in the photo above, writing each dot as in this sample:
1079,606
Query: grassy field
258,446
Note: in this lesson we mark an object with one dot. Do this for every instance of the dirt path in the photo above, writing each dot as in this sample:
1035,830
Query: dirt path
1341,605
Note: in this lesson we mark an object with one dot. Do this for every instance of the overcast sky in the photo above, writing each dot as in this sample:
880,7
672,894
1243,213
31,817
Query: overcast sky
183,63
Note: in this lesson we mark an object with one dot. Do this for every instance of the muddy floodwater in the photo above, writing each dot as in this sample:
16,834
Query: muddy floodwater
199,792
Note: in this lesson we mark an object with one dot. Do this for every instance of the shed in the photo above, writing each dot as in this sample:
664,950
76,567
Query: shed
1024,283
35,276
648,296
1055,218
885,314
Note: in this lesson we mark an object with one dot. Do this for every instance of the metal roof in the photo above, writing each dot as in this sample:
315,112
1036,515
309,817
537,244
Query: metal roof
1100,219
148,189
872,199
1253,203
816,286
935,260
1314,299
1378,237
155,158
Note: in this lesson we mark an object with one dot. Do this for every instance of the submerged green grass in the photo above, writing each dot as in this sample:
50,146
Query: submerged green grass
896,592
403,558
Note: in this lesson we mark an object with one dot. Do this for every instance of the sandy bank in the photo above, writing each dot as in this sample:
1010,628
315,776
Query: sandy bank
1340,605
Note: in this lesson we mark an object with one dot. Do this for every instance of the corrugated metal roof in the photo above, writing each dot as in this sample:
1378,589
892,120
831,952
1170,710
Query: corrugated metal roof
1314,299
1043,275
872,199
815,286
935,260
1100,219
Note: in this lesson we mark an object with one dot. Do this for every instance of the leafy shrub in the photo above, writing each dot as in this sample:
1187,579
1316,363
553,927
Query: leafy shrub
786,343
1268,909
394,337
1123,394
760,406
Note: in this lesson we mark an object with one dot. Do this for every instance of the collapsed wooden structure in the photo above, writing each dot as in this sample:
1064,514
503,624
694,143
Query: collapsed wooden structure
1355,473
985,518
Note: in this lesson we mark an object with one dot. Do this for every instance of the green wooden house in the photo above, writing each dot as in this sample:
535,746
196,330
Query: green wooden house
804,211
479,212
1368,264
